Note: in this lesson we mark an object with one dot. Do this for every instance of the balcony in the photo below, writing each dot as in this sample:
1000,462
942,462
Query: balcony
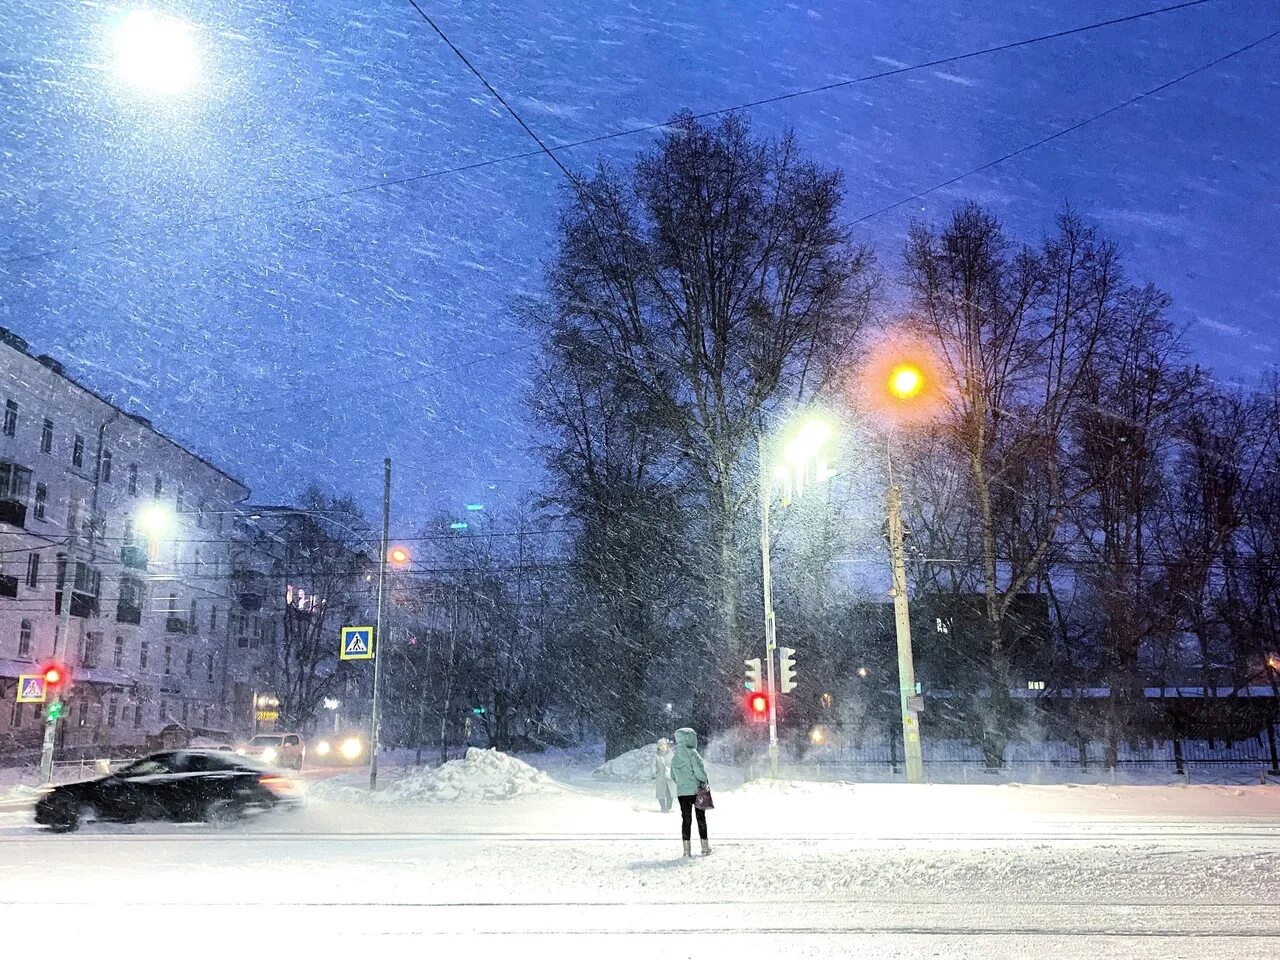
82,604
8,586
175,625
13,512
128,613
134,556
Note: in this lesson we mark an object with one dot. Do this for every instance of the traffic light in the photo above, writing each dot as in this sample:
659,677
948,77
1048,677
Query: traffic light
54,712
758,704
787,672
55,676
753,674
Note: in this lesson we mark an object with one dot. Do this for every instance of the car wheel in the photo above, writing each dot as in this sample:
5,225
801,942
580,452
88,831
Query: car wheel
223,812
64,818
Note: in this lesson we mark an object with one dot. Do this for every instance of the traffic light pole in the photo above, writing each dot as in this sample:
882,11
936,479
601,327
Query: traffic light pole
53,711
766,580
377,630
907,697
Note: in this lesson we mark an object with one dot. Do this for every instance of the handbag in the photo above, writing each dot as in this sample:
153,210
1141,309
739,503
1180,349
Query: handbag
702,799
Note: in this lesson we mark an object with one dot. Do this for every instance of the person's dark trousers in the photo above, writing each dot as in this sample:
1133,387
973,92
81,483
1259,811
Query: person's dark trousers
686,810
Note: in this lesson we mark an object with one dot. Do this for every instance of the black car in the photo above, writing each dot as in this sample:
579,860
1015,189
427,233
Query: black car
182,785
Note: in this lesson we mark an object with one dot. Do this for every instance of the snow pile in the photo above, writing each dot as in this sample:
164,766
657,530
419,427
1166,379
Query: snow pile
20,794
634,766
483,775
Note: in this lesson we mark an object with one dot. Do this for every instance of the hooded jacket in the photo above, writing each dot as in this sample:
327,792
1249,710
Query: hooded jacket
687,768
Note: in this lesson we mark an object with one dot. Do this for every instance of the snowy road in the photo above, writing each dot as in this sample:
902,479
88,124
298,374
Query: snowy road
816,870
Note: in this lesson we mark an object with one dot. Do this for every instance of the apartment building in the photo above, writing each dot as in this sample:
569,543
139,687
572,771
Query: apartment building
154,613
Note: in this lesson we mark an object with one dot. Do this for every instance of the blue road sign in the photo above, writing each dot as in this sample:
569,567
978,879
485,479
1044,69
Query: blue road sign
31,688
357,643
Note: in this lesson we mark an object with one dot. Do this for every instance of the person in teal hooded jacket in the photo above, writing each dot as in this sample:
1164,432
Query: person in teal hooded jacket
689,772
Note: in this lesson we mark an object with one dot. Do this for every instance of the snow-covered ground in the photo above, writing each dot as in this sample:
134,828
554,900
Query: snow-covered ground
580,865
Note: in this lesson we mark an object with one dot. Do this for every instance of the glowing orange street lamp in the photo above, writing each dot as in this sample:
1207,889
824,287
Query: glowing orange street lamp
398,556
906,381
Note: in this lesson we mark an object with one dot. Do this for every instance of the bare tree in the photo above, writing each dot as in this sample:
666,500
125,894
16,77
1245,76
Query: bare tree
718,282
1016,331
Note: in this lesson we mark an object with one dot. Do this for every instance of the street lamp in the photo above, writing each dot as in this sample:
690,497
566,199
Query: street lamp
803,452
155,54
156,521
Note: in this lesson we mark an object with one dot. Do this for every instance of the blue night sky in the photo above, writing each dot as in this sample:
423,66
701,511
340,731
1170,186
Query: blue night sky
288,338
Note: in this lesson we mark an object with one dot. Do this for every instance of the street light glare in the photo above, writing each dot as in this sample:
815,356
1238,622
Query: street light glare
906,381
398,555
810,438
156,520
155,54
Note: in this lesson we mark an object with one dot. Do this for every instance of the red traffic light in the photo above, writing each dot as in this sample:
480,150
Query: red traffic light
758,703
54,674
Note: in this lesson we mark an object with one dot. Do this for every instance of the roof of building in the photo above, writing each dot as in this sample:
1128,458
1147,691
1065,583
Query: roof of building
18,344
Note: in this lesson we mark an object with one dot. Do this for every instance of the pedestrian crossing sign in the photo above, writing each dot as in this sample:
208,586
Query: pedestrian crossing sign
357,643
31,688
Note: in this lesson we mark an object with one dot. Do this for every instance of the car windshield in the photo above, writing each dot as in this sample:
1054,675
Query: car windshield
146,767
263,741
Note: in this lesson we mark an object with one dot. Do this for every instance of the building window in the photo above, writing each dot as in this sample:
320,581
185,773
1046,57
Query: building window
111,712
178,501
208,668
142,655
213,619
33,569
191,658
159,485
133,479
24,640
10,417
82,713
92,645
1035,684
77,451
42,500
184,711
117,659
195,562
192,624
164,712
205,721
200,514
46,436
168,658
137,716
15,718
106,466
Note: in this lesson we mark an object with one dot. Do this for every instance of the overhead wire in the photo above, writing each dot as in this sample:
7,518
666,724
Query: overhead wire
545,149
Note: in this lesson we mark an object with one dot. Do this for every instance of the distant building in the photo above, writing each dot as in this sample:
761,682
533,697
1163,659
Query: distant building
154,620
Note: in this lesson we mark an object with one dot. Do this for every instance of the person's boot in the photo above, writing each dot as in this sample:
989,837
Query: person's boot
706,847
688,852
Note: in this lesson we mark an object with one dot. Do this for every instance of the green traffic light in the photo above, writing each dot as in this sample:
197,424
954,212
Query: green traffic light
55,712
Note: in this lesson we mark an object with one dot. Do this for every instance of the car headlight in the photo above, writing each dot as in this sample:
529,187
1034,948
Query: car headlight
322,748
269,755
241,751
352,748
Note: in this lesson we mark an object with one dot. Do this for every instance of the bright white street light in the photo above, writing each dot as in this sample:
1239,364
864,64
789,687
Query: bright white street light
156,521
155,54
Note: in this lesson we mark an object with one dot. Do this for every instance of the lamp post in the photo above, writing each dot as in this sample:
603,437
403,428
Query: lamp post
377,630
800,452
905,384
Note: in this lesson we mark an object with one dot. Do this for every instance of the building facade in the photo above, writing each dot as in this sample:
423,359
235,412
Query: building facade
155,620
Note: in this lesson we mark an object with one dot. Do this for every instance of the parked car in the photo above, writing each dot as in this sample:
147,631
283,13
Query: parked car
182,786
276,749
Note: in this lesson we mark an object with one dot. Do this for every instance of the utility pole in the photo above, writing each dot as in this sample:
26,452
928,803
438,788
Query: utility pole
377,630
908,700
766,580
53,711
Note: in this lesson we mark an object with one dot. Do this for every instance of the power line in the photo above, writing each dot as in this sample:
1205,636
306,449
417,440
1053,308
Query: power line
1069,129
586,141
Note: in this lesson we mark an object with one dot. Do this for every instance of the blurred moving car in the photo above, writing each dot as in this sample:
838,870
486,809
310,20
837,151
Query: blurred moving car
276,749
182,785
341,748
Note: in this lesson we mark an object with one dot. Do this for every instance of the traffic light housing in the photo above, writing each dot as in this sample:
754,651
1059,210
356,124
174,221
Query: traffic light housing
54,712
758,706
787,669
752,682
